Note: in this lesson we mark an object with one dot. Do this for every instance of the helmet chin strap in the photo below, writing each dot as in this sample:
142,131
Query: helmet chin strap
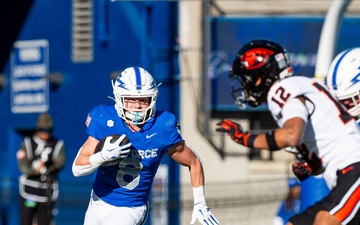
135,117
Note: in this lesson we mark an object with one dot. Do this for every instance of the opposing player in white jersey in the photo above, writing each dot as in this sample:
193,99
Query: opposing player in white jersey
310,119
125,172
344,80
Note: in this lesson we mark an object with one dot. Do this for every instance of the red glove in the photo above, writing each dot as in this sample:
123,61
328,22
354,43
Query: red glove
302,169
236,132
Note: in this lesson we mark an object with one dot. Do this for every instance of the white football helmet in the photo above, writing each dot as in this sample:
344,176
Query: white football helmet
135,82
344,79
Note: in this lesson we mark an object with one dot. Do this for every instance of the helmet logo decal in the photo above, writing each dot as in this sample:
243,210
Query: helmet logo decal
356,79
152,85
121,83
255,58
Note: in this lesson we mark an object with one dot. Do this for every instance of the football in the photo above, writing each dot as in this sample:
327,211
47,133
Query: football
115,137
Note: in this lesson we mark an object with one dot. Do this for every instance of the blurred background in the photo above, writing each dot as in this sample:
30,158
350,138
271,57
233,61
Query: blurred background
60,56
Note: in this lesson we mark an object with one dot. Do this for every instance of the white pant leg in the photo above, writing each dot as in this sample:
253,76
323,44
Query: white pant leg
91,217
102,213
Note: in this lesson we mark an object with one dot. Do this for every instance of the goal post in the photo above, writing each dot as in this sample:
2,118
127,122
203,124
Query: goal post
329,37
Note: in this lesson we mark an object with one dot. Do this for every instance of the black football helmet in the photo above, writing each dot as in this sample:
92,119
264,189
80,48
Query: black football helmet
257,65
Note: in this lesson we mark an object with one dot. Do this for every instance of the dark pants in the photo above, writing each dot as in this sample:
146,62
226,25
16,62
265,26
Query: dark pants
346,191
29,210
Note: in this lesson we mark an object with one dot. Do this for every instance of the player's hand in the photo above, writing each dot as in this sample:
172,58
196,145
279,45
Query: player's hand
203,214
235,131
112,151
302,169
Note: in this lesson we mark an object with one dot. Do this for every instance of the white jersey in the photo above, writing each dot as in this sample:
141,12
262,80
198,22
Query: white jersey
331,134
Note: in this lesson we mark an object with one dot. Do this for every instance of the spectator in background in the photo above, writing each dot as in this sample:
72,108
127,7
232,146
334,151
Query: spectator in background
40,158
291,204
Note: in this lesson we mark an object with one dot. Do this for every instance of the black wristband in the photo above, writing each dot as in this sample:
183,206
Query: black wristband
251,140
270,139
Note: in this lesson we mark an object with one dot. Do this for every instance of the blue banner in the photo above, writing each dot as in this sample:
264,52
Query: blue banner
29,66
299,35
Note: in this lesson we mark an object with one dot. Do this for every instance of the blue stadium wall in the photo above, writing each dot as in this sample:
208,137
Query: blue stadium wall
139,33
300,35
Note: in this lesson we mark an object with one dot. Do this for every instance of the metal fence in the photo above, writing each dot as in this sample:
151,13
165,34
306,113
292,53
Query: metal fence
248,202
244,202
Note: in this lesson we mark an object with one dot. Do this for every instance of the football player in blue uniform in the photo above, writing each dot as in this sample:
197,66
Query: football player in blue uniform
126,169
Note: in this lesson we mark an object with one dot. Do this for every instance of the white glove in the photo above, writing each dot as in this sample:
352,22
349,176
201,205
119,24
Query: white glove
110,151
203,214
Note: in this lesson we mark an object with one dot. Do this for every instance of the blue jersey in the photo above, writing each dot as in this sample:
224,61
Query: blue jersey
127,182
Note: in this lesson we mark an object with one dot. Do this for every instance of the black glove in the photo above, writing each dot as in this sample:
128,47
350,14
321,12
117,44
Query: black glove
302,169
236,132
301,154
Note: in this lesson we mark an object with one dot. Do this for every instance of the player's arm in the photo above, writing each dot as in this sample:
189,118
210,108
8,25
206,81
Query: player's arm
185,156
91,156
290,134
86,150
292,131
81,165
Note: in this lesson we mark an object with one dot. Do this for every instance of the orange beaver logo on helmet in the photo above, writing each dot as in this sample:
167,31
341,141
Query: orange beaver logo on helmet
255,58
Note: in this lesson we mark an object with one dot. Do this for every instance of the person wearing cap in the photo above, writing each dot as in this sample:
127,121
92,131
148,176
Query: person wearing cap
291,204
40,158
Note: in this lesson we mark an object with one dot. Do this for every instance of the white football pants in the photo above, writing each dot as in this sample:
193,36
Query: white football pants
102,213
